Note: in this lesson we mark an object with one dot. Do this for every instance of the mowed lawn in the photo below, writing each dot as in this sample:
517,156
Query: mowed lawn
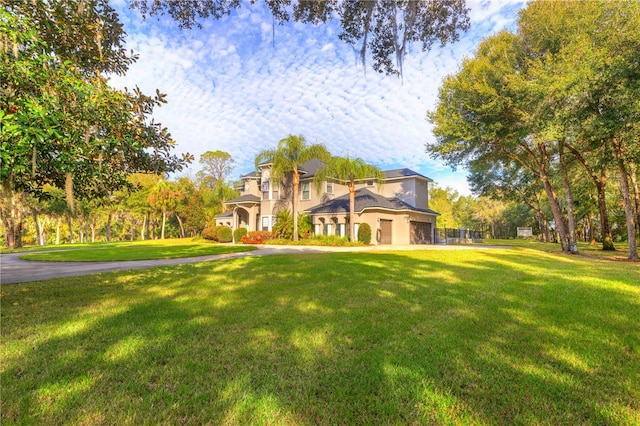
133,250
509,336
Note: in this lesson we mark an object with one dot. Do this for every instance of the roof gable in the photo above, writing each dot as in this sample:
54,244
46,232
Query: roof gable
364,200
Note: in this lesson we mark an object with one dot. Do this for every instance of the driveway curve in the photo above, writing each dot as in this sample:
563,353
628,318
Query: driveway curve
15,270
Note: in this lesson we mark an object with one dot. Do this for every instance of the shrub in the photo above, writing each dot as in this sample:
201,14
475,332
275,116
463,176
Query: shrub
318,240
305,227
284,224
211,232
257,237
364,233
238,234
225,235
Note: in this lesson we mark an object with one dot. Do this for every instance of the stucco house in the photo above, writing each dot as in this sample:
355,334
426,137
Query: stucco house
397,211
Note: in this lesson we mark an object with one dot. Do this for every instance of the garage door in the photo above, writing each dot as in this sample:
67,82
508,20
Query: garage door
420,233
385,231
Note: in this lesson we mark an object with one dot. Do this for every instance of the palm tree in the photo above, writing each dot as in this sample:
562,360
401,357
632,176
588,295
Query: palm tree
347,170
291,152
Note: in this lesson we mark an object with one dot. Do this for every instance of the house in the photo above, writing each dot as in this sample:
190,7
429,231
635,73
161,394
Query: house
397,211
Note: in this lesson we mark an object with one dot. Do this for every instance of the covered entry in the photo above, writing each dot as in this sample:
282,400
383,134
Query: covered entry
385,231
420,233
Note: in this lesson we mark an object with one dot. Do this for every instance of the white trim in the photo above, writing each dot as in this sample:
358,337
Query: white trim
302,191
270,220
327,188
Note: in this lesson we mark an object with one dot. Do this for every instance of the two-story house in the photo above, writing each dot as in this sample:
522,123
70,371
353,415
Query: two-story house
397,211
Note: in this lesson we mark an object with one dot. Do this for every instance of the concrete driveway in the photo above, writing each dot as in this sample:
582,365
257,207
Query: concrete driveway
14,270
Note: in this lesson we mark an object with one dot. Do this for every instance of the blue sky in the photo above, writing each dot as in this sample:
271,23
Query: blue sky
232,87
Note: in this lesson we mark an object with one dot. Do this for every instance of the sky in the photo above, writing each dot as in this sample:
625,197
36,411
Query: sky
233,86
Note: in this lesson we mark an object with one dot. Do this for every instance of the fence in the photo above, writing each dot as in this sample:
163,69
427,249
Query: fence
457,236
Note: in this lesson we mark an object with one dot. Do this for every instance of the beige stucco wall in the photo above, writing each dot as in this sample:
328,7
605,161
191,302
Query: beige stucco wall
400,223
252,187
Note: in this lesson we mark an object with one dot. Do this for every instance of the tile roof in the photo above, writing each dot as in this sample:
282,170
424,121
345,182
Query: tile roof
225,214
253,174
364,200
248,198
400,173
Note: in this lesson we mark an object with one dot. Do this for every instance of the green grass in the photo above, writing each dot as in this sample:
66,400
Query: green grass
139,250
621,251
513,336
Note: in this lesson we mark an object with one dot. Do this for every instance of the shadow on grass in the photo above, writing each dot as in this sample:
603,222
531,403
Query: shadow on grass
438,337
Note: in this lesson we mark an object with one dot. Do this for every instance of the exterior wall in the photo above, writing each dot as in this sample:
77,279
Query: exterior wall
422,194
404,190
228,221
414,192
316,198
400,224
251,187
245,217
334,224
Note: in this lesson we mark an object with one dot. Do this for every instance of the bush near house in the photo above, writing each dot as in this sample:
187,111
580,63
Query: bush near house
238,234
211,232
364,233
225,235
318,240
257,237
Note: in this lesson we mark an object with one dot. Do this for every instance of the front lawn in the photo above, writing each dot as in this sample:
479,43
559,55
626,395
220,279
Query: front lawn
138,250
511,336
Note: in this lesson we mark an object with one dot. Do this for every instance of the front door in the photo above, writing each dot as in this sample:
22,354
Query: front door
385,231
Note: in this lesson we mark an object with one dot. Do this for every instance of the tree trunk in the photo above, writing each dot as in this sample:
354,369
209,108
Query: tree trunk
352,208
636,194
571,220
164,219
592,233
107,228
12,210
294,203
39,227
626,196
143,229
182,233
70,225
81,230
601,184
561,227
58,224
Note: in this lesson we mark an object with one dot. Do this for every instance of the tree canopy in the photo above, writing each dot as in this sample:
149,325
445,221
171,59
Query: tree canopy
60,122
349,171
564,85
382,28
286,158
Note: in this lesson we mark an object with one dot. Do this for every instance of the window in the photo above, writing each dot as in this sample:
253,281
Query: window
305,192
329,188
317,228
265,190
327,229
369,183
340,229
265,223
274,192
355,231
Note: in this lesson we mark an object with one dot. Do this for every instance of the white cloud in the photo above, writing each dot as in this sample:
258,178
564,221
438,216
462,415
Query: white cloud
230,88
